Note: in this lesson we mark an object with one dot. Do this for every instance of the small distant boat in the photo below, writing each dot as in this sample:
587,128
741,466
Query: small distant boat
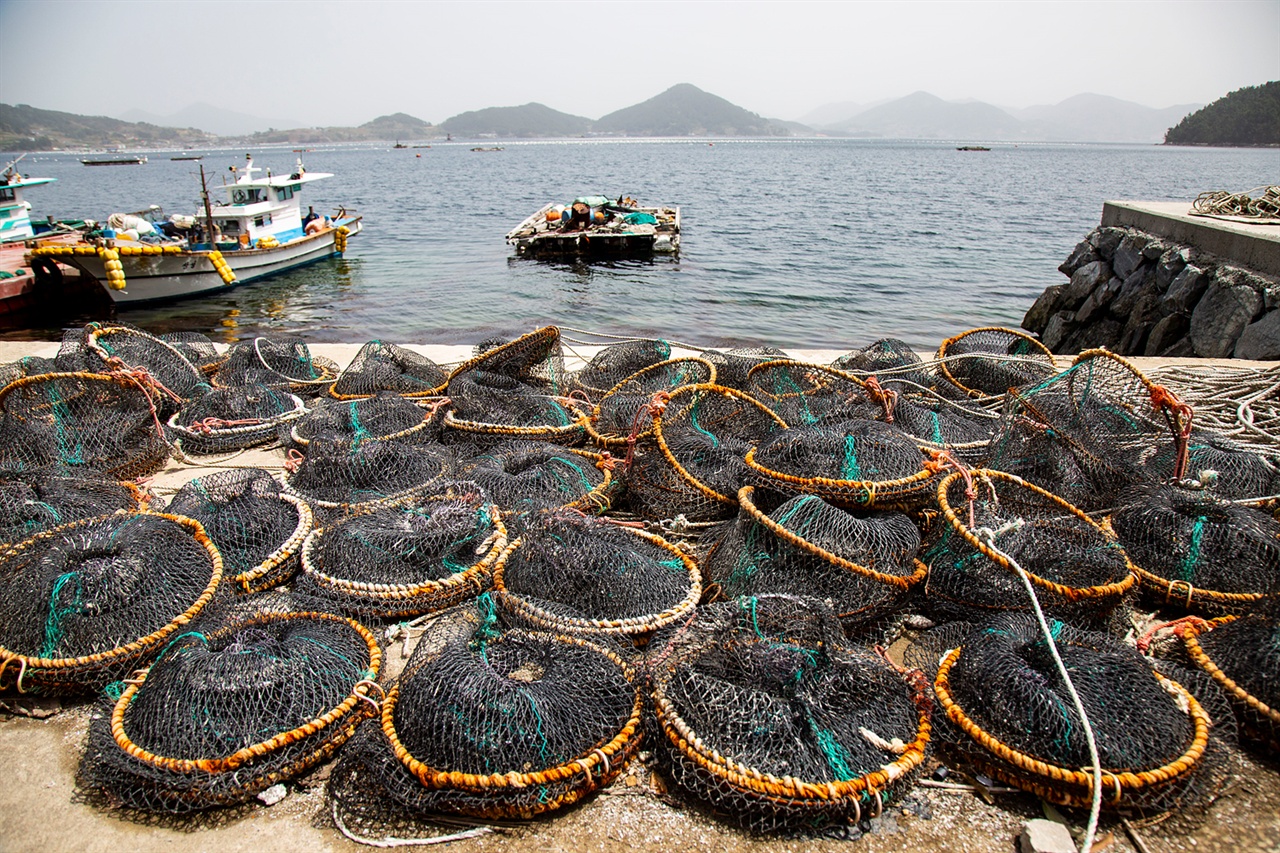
973,148
116,161
486,149
188,157
597,227
257,231
399,144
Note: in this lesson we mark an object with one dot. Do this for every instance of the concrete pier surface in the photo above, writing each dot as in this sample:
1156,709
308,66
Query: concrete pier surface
40,810
1255,245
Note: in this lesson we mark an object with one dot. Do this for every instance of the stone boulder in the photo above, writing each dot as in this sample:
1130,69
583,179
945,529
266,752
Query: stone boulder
1141,319
1098,300
1101,333
1037,316
1081,255
1129,254
1166,332
1105,240
1185,290
1141,282
1083,282
1170,264
1261,340
1055,332
1222,315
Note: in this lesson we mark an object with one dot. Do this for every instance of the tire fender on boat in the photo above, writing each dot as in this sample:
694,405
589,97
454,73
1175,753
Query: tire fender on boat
47,273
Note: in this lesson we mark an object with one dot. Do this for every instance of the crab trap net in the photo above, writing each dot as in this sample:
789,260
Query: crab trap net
232,706
382,417
107,422
761,713
1242,655
865,567
617,417
396,562
996,523
523,475
693,466
285,363
986,362
226,419
1004,710
490,724
380,366
257,527
1195,551
86,602
858,463
535,359
36,499
339,475
733,365
488,407
123,348
584,576
614,363
803,394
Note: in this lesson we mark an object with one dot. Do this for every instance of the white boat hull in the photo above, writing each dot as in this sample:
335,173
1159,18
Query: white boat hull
165,278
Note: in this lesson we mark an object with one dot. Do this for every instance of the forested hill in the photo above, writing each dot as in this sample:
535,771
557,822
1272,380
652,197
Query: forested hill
1248,116
686,110
25,128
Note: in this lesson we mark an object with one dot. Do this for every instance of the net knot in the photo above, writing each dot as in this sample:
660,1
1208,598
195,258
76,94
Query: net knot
607,462
1178,626
887,399
1179,416
294,460
209,424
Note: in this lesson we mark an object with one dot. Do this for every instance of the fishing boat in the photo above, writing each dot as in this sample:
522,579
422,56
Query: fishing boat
116,161
597,227
15,211
257,231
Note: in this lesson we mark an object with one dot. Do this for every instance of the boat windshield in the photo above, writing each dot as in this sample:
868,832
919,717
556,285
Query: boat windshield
247,195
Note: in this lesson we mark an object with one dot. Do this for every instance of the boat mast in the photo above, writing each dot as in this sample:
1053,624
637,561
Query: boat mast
208,212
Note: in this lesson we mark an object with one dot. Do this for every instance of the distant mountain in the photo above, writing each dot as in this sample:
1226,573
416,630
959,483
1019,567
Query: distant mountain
400,126
832,114
216,120
1248,116
924,116
686,110
530,120
25,128
1099,118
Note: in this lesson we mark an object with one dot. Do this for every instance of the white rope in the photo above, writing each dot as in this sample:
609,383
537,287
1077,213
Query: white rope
988,536
391,841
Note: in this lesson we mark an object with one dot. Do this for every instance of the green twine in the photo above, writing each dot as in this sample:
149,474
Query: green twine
833,751
69,450
488,630
361,434
693,419
1187,570
114,690
850,469
53,631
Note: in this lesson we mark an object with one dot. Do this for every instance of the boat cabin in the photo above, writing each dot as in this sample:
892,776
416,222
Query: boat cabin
15,211
258,207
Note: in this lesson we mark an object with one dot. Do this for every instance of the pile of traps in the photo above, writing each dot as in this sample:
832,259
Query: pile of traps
687,556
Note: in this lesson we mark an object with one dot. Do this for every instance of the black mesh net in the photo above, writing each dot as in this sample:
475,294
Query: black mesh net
759,712
86,602
588,576
987,362
534,359
1004,708
230,708
278,362
397,562
1077,569
614,363
524,475
858,463
489,406
1229,469
1196,551
36,499
258,529
1242,654
733,365
380,366
339,474
227,419
382,416
492,724
804,394
864,567
125,348
195,348
81,420
620,414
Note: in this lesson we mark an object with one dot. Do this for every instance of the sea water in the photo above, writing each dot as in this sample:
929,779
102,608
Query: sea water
803,242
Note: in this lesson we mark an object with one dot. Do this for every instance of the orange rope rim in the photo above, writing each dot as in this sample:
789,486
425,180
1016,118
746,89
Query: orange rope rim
789,788
287,548
496,555
548,335
622,742
1071,593
1201,658
1126,780
902,582
626,626
570,430
705,388
1040,349
421,425
615,440
866,493
232,762
142,644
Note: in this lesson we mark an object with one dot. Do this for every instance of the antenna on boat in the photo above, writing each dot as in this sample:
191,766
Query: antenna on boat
208,212
9,171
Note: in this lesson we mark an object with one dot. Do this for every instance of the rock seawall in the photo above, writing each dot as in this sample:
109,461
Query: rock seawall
1139,294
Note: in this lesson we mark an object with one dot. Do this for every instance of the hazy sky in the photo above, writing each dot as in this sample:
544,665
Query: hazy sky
344,63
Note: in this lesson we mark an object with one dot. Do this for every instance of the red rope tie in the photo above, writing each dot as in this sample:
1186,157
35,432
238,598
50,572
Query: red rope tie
294,460
1179,415
654,408
1179,627
887,399
208,425
435,406
607,462
942,459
